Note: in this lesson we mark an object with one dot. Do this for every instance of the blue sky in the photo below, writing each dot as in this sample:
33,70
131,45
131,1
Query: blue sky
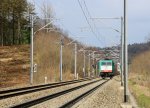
72,19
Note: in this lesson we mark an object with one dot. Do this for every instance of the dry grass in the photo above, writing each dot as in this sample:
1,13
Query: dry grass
140,69
15,62
14,65
139,78
47,57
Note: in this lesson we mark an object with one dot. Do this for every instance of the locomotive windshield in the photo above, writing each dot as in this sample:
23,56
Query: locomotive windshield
103,63
106,63
109,64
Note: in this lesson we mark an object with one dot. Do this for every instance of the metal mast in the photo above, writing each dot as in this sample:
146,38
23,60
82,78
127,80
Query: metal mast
75,62
61,43
125,54
122,51
31,51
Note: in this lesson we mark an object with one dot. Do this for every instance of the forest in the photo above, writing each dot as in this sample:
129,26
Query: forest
137,48
15,22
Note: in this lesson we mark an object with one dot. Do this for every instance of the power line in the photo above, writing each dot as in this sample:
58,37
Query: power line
94,22
88,21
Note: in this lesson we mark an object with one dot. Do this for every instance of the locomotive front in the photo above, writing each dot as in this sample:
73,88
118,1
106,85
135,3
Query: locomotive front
106,68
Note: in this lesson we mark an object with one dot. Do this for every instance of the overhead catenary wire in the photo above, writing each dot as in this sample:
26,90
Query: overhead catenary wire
86,8
91,28
95,24
70,32
111,28
82,45
46,13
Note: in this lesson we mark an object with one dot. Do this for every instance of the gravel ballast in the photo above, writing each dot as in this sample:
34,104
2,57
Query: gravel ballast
109,96
57,102
5,103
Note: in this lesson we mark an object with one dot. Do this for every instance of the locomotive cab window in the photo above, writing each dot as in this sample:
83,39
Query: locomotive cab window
109,63
103,63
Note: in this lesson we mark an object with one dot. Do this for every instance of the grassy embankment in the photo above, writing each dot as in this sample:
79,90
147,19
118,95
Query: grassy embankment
14,65
139,79
15,61
47,56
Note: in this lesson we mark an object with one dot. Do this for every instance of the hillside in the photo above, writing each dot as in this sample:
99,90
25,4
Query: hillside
47,57
15,61
139,78
14,65
137,48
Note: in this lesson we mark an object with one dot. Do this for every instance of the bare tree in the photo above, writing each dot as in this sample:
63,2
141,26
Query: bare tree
147,38
47,13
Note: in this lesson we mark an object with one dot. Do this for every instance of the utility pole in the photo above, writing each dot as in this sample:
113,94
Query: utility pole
93,56
75,62
84,64
89,64
61,46
31,51
31,44
125,54
122,51
93,62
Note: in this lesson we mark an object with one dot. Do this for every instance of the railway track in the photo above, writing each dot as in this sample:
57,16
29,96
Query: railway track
61,93
21,91
80,97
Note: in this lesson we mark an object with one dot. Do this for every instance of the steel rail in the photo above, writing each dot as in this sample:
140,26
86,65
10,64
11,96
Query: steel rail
80,97
32,87
52,96
22,91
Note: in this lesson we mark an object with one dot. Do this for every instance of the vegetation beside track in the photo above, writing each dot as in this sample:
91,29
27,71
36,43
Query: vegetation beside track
14,65
139,79
15,61
47,57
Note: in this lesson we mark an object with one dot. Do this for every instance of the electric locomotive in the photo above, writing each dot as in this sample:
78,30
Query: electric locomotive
106,68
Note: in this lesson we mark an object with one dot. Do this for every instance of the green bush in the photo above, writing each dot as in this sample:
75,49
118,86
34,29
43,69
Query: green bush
144,101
